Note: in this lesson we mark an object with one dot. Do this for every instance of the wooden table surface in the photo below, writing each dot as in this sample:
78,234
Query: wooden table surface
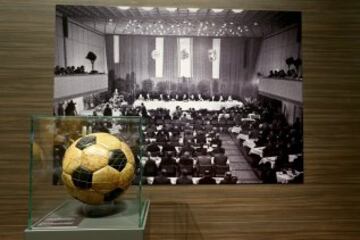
327,206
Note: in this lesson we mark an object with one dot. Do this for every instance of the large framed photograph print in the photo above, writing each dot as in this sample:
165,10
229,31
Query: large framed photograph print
179,120
220,91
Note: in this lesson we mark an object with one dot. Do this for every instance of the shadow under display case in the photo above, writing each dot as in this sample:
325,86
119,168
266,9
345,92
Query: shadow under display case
84,178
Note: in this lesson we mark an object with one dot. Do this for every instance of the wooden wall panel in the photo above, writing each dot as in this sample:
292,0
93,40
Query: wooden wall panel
327,206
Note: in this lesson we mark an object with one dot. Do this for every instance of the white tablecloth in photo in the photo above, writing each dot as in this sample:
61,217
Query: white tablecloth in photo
89,112
235,129
257,151
195,180
253,116
250,143
271,160
243,136
286,177
156,159
292,157
247,120
185,105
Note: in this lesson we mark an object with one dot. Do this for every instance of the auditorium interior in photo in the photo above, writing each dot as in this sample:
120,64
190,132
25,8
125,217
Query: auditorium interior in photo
220,90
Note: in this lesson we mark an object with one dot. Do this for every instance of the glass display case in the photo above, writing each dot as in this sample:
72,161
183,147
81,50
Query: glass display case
84,178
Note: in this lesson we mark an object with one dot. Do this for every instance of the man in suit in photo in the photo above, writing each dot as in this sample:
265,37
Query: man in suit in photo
184,178
220,159
161,178
207,178
229,179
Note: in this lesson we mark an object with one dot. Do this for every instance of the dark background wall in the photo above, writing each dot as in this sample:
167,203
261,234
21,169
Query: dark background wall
327,206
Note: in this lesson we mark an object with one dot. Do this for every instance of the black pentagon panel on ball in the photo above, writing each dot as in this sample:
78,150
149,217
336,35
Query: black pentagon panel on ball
117,159
82,178
110,196
86,142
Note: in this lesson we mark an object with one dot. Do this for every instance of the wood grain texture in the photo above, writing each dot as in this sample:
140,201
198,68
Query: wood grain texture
327,206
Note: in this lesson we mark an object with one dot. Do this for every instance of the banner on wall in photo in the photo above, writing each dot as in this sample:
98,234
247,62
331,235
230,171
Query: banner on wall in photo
116,49
185,57
215,58
158,56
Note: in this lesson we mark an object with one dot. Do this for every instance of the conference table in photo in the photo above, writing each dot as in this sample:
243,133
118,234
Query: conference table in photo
170,105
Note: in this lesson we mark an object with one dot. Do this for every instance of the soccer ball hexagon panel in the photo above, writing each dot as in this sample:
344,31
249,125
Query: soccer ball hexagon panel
98,168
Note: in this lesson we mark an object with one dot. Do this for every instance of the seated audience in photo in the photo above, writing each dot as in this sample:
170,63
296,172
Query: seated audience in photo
167,126
188,137
168,148
200,138
184,178
208,127
161,178
269,150
186,159
294,147
268,175
107,110
175,131
271,74
150,131
235,129
153,148
141,97
70,109
161,137
184,97
150,168
100,127
207,178
60,109
282,160
137,178
261,140
298,164
282,73
298,179
179,132
203,159
144,112
187,148
229,179
297,124
220,159
216,149
168,163
216,140
57,70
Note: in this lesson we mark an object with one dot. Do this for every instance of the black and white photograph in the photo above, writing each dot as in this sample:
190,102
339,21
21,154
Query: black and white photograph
220,91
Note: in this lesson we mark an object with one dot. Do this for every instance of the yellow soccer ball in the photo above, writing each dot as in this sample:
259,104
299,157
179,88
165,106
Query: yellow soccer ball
97,168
